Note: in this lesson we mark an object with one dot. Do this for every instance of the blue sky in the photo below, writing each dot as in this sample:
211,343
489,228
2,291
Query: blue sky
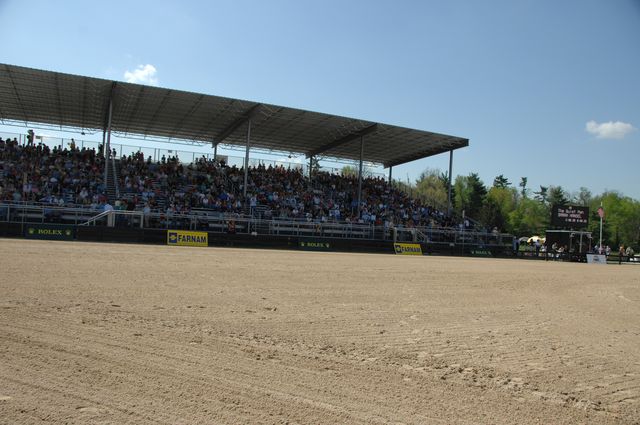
520,79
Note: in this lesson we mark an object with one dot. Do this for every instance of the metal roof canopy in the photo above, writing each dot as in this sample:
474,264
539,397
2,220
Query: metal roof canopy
70,101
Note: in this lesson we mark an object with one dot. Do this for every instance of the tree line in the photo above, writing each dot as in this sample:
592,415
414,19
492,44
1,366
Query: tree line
524,211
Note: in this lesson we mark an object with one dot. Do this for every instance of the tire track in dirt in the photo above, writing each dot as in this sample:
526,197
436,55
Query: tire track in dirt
93,343
228,385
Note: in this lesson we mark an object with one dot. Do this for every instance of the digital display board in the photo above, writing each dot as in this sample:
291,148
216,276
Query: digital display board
569,216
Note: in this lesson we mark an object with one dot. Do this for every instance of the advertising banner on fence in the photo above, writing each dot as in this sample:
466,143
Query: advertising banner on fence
407,248
480,252
187,238
49,231
596,259
314,245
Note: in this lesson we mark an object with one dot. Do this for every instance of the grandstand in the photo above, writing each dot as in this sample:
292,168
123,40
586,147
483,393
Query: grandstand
102,191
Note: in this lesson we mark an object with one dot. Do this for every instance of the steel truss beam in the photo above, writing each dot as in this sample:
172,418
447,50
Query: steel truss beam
248,115
343,140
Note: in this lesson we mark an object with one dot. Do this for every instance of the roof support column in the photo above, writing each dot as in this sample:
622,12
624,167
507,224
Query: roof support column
449,185
246,161
104,142
310,167
390,170
107,145
215,152
360,176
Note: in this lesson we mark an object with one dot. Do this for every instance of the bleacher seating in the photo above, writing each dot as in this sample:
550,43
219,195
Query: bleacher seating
73,177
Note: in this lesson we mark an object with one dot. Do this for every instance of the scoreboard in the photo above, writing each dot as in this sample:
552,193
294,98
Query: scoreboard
570,216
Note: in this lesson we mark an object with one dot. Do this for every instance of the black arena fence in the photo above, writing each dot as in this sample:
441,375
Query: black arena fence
47,223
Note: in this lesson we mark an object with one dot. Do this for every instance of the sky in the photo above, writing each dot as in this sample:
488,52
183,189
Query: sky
548,90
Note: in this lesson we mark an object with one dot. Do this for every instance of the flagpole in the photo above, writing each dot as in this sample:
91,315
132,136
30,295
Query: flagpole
600,214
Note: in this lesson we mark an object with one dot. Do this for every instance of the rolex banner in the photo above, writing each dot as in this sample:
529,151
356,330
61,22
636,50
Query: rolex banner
310,244
49,231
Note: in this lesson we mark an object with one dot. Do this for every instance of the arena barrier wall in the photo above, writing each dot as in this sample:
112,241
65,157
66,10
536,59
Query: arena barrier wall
160,237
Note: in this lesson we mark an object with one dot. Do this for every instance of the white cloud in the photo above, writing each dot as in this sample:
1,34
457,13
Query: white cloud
143,74
609,130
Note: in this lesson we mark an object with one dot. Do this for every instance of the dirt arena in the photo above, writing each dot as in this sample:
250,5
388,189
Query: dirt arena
115,334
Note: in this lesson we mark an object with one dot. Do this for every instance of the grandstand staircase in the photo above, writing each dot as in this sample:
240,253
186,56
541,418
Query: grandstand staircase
258,211
113,176
421,236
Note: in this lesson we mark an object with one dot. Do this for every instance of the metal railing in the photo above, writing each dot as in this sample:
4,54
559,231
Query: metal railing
218,222
22,212
95,219
111,218
453,236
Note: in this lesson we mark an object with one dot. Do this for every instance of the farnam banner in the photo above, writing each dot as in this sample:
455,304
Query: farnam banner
187,238
407,248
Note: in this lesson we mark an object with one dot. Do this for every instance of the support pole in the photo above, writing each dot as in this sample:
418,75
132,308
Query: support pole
390,170
600,213
107,146
360,175
450,171
310,167
215,152
246,160
104,152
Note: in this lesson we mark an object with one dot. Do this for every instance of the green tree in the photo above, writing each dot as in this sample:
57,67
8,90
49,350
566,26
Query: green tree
510,209
529,218
470,194
404,186
444,178
557,196
349,171
621,222
491,214
431,189
501,182
506,200
477,195
462,194
583,197
523,185
542,194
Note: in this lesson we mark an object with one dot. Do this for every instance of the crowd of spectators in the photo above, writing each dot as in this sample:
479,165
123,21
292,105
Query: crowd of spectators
35,173
273,192
73,177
